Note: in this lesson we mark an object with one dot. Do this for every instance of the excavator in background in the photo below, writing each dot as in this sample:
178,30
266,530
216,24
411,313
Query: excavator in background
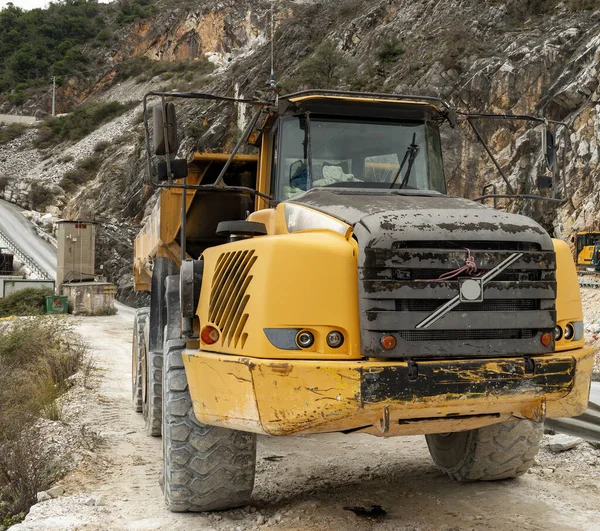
328,283
586,250
587,258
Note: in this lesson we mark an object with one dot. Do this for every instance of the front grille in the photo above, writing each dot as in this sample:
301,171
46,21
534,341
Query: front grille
464,335
229,298
420,305
400,290
434,274
473,245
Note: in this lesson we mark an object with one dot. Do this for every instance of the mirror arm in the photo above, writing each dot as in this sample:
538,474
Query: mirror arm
163,104
489,152
219,182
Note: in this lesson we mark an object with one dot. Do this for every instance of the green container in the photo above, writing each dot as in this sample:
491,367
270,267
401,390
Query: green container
57,304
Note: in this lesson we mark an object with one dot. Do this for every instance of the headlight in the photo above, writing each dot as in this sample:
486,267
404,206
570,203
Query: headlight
299,218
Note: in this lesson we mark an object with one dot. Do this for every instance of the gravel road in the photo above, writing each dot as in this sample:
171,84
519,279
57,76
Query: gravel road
310,482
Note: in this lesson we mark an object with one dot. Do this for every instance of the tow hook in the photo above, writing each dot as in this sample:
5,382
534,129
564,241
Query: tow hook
529,365
413,371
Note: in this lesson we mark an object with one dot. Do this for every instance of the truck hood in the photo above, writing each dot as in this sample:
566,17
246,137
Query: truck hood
380,217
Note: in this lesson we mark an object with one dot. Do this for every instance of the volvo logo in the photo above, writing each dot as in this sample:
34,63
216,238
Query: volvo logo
470,290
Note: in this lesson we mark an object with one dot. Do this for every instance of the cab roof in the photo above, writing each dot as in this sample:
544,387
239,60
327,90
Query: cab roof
364,105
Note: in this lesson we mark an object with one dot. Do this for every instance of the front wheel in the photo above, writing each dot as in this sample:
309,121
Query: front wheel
500,451
206,468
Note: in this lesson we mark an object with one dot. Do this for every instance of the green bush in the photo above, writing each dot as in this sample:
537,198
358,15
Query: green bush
101,146
11,131
78,124
40,196
144,69
389,50
39,43
85,171
324,69
28,301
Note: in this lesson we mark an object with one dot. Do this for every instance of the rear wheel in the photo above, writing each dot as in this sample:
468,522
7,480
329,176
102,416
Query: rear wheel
206,468
152,362
139,321
500,451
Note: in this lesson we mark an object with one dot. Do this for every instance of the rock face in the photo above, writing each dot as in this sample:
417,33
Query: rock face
515,57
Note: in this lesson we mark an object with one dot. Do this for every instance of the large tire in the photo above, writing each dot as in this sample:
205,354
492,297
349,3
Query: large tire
206,468
141,317
152,362
500,451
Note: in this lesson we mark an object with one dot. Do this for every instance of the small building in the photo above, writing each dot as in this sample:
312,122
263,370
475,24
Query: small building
87,293
76,251
90,298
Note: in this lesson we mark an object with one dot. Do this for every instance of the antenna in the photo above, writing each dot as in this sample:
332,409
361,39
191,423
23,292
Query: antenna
272,84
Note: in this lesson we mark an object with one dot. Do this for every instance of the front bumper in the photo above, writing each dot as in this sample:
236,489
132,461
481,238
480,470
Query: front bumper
278,397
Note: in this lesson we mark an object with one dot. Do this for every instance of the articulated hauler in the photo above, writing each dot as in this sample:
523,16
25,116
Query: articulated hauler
330,284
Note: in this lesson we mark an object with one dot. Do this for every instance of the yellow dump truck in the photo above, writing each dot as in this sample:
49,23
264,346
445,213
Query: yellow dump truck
329,284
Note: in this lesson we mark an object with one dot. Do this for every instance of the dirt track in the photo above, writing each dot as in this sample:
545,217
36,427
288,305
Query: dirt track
308,482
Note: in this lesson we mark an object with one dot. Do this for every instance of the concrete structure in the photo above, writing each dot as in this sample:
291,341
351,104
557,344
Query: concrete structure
14,119
76,251
90,298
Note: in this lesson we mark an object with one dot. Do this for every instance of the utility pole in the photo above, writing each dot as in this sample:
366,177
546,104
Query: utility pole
53,95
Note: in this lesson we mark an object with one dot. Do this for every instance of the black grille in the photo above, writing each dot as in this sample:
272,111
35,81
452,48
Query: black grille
518,303
509,275
464,335
478,245
500,305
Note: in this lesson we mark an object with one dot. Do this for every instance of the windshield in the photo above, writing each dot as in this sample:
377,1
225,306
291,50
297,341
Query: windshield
356,154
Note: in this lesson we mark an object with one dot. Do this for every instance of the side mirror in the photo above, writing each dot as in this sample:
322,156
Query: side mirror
550,150
164,123
545,182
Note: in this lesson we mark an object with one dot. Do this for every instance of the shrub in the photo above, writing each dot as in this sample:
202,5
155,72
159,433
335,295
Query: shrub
37,358
28,301
85,171
78,124
11,131
195,130
101,146
91,164
389,50
40,196
324,69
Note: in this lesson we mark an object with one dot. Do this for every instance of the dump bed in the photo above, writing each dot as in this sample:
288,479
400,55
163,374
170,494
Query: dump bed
159,236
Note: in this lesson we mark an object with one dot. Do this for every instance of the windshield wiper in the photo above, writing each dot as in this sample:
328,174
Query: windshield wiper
411,154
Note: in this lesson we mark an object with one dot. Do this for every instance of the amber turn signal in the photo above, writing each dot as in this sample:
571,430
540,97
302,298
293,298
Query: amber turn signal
546,339
388,342
209,335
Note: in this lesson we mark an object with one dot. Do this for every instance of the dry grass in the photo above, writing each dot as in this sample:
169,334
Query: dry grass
38,356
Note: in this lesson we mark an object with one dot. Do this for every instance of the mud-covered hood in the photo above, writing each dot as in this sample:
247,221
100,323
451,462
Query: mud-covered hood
382,217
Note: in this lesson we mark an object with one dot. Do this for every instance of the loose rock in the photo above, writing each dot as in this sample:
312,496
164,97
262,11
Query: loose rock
562,443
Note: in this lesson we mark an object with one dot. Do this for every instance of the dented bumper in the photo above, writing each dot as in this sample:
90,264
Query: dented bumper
278,397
